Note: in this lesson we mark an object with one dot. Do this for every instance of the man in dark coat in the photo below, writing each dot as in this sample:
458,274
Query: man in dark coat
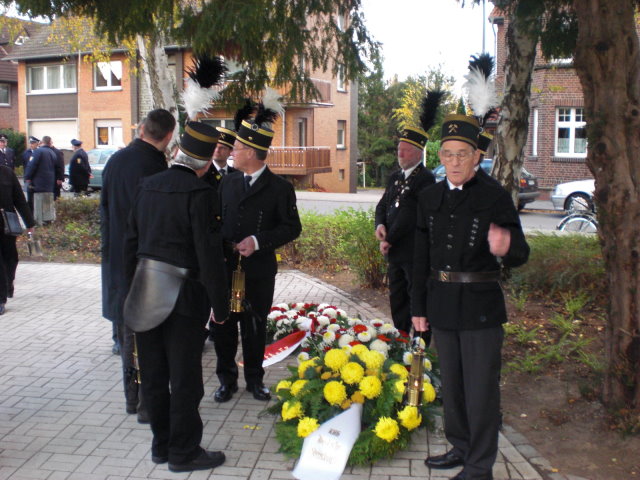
174,239
396,222
259,214
467,228
39,176
26,157
59,171
219,167
7,155
79,169
120,179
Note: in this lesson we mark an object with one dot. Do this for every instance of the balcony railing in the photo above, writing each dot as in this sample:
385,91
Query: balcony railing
299,160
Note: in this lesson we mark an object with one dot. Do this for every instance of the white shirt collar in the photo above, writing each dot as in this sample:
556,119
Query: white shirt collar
255,175
453,187
408,171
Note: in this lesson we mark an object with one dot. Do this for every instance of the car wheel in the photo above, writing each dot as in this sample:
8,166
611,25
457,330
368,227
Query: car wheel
66,186
578,202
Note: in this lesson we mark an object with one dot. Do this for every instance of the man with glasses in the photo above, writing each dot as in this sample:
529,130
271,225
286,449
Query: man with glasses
467,229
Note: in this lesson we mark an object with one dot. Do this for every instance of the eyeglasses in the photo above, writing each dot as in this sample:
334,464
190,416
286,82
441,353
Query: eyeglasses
449,156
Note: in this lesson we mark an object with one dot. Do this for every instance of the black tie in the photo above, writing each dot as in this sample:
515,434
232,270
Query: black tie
247,182
223,172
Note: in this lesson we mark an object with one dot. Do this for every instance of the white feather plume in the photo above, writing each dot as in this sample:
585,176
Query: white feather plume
481,92
271,100
196,99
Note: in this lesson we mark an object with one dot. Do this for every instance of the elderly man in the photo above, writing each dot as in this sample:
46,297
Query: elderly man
467,229
174,239
259,215
40,177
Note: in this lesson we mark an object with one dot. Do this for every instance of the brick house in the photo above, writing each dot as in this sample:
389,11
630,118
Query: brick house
65,97
556,148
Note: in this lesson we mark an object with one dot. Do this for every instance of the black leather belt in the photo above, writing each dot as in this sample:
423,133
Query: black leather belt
179,272
465,277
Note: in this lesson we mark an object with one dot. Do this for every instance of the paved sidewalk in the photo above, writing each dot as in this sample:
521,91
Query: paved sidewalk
62,408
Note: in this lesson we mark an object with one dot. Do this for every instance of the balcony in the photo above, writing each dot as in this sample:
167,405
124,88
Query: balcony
299,160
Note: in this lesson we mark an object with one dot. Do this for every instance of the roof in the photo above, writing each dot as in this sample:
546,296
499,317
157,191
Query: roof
8,34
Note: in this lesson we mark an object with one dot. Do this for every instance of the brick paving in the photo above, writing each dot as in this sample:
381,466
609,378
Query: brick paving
62,407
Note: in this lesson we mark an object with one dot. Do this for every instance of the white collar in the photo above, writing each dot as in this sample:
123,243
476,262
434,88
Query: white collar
255,175
408,171
453,187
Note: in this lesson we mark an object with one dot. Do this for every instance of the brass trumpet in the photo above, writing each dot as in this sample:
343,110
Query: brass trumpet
416,376
237,288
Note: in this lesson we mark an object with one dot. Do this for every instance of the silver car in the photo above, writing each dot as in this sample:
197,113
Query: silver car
574,196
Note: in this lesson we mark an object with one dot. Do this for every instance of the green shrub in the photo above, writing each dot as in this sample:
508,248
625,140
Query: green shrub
316,245
17,141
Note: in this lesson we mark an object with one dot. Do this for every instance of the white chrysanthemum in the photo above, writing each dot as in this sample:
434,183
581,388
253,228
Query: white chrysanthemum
373,331
329,312
407,358
379,346
420,342
324,320
303,323
346,339
426,378
273,315
389,329
291,313
283,306
427,364
322,306
284,321
364,337
346,348
328,337
302,357
334,327
299,305
354,321
341,312
376,322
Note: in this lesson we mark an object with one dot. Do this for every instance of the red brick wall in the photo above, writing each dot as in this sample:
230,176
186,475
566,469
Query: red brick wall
9,114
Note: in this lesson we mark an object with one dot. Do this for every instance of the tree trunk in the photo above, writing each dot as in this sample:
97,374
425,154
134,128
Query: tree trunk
513,126
608,63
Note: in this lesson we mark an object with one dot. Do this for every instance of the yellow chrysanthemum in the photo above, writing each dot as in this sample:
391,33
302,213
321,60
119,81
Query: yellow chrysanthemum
357,397
335,359
352,373
387,429
346,404
409,417
306,426
373,360
335,392
370,386
400,386
283,385
297,386
291,410
427,364
359,350
400,370
325,376
429,393
302,368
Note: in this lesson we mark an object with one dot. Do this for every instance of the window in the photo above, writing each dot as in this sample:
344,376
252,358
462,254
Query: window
340,83
342,134
51,79
302,132
220,122
534,147
341,174
107,75
5,90
108,133
571,133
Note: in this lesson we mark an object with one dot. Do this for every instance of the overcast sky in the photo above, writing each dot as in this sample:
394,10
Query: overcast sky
417,35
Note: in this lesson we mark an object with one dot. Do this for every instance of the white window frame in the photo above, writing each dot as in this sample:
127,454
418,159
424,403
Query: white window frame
115,66
572,124
49,91
534,140
8,87
341,142
340,83
114,133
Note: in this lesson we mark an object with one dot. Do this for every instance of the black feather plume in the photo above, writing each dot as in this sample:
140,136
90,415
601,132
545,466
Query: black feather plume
207,71
483,62
265,115
243,113
429,110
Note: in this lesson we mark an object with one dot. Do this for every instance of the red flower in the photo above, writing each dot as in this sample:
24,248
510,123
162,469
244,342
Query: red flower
327,348
359,328
403,333
354,343
383,338
332,320
403,340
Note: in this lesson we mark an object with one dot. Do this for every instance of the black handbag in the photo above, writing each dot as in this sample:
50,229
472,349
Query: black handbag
12,224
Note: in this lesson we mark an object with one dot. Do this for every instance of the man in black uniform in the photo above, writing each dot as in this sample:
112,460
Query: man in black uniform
219,167
174,238
467,228
26,158
7,155
120,180
396,221
259,214
79,169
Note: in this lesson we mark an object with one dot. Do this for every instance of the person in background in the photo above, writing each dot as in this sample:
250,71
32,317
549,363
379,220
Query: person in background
26,157
59,172
11,200
39,176
79,169
7,155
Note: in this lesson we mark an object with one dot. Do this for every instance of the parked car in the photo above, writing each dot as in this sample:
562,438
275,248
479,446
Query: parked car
528,183
574,196
98,158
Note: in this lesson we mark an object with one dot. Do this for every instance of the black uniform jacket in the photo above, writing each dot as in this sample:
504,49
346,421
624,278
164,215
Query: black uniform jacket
120,180
451,235
213,176
12,199
8,157
397,209
79,169
175,219
267,210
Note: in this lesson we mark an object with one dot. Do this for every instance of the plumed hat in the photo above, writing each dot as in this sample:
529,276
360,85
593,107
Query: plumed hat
198,140
228,136
464,128
418,136
257,133
204,76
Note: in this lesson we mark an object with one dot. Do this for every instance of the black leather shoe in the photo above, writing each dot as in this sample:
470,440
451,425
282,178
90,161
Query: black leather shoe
2,309
225,392
204,461
159,459
447,460
460,476
260,392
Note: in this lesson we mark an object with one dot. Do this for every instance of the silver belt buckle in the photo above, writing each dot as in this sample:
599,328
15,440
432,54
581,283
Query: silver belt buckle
443,276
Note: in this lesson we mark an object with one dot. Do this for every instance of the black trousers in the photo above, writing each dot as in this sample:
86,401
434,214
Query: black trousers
259,293
8,264
400,274
170,357
126,339
470,367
